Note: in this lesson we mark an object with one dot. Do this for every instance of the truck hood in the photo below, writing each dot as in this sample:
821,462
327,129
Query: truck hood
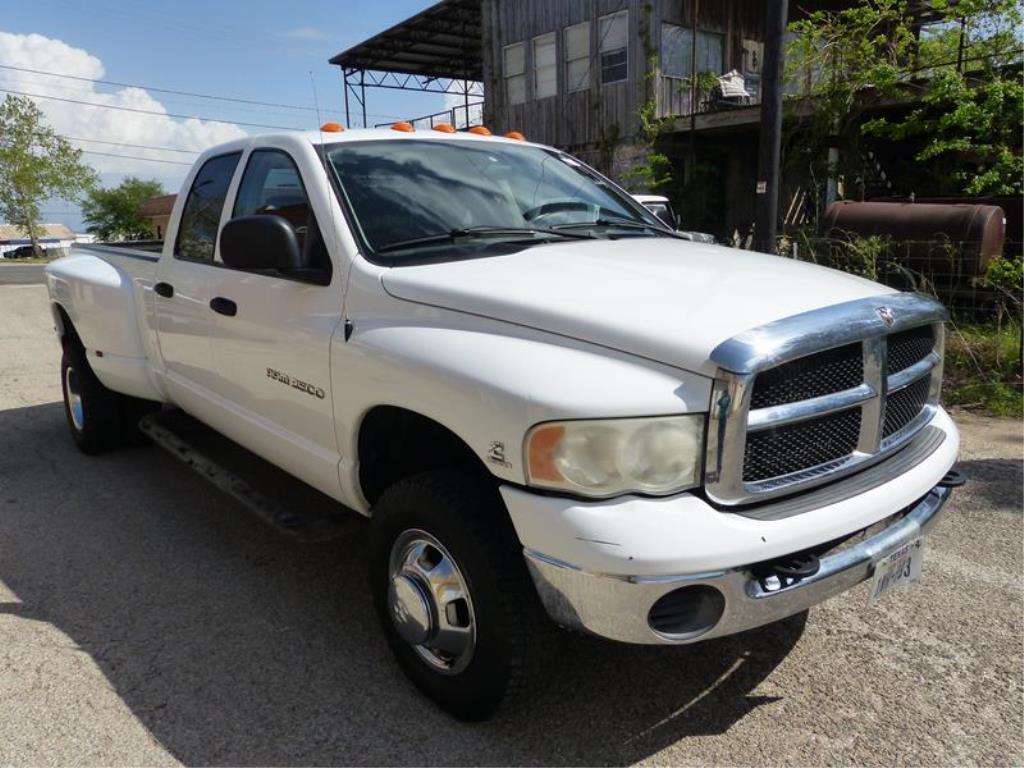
667,300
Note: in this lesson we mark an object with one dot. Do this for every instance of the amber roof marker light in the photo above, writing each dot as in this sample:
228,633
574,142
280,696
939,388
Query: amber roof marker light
444,128
332,127
479,130
403,126
515,136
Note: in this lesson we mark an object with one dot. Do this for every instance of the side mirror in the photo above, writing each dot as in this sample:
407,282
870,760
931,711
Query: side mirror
260,242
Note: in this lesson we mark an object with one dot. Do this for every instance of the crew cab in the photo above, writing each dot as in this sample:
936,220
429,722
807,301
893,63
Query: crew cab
545,401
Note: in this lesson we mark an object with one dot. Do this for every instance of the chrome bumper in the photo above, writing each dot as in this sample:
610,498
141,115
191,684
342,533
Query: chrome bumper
617,607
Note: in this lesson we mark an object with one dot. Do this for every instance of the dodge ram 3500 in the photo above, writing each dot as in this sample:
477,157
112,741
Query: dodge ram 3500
543,399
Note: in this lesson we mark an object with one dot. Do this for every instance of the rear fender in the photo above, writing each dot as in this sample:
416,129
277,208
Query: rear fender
103,304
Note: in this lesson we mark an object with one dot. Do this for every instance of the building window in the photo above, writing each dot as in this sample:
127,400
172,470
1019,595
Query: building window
677,51
577,57
709,52
613,36
545,66
515,73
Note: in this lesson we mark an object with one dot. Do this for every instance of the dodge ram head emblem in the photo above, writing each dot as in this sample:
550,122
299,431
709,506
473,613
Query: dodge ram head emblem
887,315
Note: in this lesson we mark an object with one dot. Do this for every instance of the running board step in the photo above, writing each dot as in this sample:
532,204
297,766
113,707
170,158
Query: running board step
256,484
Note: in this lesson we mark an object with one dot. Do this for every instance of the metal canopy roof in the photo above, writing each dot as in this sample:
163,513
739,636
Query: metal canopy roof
442,41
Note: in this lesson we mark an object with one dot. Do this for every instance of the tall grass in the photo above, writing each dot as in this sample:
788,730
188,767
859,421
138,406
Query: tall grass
983,367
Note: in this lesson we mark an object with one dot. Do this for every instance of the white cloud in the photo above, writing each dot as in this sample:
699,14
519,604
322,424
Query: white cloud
48,54
305,33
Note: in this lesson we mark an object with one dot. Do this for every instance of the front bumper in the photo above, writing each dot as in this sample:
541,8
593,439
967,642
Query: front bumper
601,566
617,607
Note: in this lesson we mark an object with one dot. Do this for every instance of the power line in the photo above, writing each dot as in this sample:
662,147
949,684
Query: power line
134,146
149,111
133,157
157,90
172,91
77,90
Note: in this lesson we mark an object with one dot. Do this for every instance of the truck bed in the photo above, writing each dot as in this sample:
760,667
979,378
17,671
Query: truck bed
146,249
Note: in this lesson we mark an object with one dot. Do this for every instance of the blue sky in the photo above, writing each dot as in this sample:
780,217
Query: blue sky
252,50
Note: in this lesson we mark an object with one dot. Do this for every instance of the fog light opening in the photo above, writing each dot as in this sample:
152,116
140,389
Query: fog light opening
687,612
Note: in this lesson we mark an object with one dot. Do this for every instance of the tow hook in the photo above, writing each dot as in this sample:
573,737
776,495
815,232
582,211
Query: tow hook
952,479
798,566
787,571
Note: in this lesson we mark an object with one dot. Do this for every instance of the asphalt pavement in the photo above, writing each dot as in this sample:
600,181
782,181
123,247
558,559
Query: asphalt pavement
22,274
145,619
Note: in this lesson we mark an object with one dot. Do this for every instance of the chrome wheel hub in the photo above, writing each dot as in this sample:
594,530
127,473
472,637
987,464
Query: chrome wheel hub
74,397
410,610
429,602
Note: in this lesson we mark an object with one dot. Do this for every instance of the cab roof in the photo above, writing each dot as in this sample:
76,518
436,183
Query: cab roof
321,137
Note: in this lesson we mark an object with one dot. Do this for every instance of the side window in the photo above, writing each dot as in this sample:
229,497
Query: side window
614,46
271,186
545,66
197,233
577,57
515,73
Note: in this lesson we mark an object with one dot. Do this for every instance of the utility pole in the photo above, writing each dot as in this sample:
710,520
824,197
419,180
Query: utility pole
692,159
770,149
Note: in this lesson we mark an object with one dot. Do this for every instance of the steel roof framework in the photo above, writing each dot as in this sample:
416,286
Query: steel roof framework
436,51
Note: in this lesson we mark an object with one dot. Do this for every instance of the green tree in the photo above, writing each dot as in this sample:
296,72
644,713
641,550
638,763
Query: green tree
35,165
958,69
113,214
968,127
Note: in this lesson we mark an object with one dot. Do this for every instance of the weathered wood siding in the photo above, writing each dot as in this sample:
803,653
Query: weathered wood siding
735,20
602,115
597,115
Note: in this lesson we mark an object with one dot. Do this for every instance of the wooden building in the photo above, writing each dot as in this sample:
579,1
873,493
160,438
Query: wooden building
577,73
585,75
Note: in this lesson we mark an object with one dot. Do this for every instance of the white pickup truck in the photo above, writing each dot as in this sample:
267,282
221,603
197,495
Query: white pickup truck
543,399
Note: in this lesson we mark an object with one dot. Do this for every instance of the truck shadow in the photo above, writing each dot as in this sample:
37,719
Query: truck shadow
234,646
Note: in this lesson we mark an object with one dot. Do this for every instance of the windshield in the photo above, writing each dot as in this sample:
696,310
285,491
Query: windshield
407,196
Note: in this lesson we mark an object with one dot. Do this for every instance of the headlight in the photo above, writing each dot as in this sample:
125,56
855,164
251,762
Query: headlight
603,458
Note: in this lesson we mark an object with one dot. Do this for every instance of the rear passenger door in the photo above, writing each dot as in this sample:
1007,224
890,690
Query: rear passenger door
273,353
183,317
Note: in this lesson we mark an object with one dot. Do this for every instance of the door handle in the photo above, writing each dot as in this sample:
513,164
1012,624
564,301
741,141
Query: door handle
223,306
164,289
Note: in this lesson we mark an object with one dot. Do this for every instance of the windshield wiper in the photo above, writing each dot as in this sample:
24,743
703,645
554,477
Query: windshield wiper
480,231
614,223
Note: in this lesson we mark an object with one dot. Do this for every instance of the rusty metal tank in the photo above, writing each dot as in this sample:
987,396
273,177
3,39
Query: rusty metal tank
925,232
1013,210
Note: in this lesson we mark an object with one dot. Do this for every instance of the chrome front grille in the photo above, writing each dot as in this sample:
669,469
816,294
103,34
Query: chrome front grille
816,396
795,447
903,406
807,377
908,347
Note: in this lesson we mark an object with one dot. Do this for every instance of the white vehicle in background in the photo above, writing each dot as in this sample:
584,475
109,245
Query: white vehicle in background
543,398
661,207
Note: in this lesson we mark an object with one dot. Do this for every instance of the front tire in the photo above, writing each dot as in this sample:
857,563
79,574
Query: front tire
452,592
93,411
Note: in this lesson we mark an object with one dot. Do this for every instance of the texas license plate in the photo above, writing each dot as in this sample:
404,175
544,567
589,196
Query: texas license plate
900,567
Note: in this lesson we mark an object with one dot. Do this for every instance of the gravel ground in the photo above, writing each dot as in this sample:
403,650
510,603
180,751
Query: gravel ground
147,620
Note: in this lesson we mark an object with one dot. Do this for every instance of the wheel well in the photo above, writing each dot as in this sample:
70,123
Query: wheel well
65,328
395,443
